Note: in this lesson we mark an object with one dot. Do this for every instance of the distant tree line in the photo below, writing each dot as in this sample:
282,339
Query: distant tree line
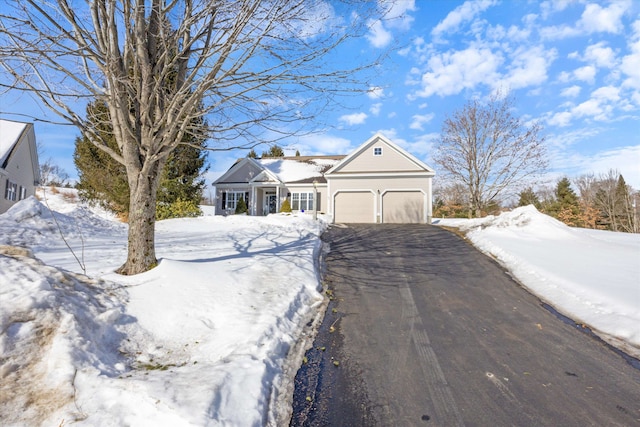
273,151
602,202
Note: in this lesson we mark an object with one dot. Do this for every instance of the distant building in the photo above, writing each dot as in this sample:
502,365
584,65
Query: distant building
19,168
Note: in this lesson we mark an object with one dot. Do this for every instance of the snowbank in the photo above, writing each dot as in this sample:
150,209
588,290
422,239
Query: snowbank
201,340
591,276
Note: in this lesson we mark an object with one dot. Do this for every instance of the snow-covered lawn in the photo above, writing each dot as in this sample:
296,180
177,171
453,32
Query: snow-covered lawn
200,340
205,339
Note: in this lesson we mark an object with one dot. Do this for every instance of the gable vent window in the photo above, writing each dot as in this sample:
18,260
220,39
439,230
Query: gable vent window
377,151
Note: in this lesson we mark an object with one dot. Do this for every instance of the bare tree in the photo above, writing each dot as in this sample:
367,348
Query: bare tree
606,198
587,185
53,174
259,68
489,150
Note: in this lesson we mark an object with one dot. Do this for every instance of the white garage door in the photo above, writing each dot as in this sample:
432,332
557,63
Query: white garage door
403,207
354,207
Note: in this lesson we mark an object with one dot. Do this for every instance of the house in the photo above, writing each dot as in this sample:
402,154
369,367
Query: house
19,168
378,182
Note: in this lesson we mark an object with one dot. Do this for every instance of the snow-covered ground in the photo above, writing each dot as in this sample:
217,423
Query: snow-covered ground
590,276
204,338
201,340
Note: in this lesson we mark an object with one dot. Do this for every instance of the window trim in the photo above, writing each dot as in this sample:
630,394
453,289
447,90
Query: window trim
300,203
231,202
11,191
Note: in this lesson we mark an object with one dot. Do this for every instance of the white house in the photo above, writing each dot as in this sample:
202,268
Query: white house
378,182
19,168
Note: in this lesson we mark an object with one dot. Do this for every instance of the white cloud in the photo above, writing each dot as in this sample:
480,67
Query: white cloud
548,7
397,15
354,119
624,159
378,35
375,108
461,14
607,93
600,106
323,144
375,92
561,32
591,107
571,92
452,72
600,54
419,120
594,19
561,119
318,18
564,76
585,74
630,64
529,67
604,19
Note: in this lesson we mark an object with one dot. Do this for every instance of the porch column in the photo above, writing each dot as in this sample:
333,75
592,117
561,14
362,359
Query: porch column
253,207
277,199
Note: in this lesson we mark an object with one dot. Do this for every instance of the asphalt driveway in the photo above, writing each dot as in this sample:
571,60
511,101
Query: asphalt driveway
423,330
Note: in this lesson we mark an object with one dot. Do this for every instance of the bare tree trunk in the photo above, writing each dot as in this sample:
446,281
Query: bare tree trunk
142,218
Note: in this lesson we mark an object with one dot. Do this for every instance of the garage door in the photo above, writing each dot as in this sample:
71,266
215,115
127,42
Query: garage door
354,207
403,207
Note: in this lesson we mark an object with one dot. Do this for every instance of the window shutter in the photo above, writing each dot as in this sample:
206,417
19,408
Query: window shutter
224,200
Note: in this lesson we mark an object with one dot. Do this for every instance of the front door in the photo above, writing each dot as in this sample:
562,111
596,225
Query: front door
270,203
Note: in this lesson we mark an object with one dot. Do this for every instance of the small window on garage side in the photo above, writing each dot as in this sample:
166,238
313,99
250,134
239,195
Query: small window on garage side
377,151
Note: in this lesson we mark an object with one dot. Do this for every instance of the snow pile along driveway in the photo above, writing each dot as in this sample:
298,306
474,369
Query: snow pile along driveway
200,340
591,276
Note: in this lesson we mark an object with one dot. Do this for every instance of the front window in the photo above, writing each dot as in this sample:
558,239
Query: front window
302,201
11,191
231,199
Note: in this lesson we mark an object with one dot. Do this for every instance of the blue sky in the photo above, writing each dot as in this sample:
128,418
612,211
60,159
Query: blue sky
572,65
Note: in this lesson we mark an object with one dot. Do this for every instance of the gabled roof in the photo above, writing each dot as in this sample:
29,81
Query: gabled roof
307,169
299,169
375,139
10,134
283,170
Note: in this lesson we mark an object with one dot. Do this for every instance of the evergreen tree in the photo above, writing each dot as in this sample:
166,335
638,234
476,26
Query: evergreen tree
529,197
274,151
252,154
286,206
241,206
100,178
103,180
566,206
624,208
297,153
